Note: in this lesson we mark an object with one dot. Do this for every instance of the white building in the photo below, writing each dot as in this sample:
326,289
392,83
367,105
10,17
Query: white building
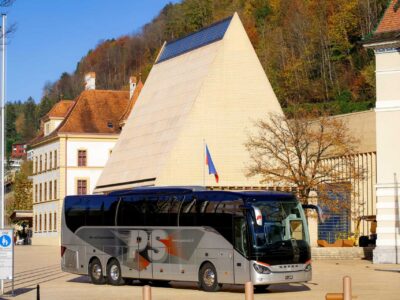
76,140
385,42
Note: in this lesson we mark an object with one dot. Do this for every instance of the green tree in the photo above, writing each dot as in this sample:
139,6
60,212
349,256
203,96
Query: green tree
31,121
23,188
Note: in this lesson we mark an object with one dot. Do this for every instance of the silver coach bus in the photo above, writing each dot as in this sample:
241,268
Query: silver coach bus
161,234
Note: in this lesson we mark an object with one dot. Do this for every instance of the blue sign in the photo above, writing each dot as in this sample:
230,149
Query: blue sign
5,241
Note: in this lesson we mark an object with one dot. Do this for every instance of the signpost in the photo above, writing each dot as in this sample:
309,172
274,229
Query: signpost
6,257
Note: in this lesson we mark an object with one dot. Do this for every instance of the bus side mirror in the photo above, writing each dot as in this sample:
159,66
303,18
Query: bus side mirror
258,215
321,217
256,211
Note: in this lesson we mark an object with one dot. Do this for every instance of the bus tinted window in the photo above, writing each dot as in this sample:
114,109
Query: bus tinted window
90,211
131,211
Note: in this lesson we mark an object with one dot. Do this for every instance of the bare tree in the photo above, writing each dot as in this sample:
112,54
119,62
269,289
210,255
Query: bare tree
306,152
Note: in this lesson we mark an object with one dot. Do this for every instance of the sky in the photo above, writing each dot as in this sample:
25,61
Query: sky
53,35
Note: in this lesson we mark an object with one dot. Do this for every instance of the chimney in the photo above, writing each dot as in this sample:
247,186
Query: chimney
90,81
132,85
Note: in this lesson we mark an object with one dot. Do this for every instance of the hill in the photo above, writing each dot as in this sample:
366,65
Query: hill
310,50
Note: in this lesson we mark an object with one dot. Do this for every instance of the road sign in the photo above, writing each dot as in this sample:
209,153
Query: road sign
6,254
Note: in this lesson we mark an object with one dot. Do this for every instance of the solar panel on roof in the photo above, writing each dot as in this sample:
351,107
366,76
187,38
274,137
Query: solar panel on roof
205,36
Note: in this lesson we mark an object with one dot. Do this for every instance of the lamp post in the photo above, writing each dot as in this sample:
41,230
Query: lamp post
2,154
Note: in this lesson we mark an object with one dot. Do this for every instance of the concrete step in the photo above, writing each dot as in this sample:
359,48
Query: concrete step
341,253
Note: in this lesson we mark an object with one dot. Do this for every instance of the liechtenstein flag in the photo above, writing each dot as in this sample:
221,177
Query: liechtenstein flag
210,164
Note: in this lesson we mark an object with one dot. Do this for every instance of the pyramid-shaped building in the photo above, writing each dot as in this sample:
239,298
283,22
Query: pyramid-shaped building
206,88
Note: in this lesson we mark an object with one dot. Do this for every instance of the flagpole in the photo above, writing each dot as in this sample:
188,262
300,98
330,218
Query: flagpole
204,163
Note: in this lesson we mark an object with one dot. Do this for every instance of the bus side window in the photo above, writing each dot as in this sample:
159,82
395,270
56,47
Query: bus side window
130,211
75,213
187,215
240,230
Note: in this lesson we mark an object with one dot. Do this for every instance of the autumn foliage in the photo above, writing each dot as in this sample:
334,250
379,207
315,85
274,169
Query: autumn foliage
311,152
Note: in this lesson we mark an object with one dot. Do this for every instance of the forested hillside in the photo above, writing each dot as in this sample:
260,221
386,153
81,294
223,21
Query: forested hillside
310,50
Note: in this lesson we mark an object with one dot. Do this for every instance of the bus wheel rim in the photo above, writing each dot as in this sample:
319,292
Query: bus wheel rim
96,271
209,277
114,272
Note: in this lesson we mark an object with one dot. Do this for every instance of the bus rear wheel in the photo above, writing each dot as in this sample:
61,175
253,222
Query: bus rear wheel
96,272
208,278
114,275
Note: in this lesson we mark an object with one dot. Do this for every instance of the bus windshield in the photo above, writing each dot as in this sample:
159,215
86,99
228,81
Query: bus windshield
281,221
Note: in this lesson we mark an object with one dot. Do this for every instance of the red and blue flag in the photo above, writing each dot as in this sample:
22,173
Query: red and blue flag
210,164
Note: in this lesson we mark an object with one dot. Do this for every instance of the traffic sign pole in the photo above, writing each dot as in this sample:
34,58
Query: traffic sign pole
6,257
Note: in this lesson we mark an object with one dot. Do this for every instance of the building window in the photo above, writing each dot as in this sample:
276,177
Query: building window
34,166
50,222
51,161
50,190
55,159
36,193
40,192
82,187
40,223
55,189
45,222
40,164
35,223
55,221
45,162
45,191
81,158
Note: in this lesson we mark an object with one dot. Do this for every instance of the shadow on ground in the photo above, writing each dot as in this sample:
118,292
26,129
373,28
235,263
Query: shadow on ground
230,288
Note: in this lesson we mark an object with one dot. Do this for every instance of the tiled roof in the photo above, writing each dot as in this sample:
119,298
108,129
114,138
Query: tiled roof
93,112
96,111
60,109
391,18
132,101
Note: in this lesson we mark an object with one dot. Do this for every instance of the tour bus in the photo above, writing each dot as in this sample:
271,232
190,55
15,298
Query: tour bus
159,234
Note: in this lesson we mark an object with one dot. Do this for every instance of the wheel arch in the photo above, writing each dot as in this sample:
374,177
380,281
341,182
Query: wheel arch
203,263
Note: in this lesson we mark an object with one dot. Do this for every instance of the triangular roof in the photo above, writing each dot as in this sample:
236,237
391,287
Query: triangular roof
388,28
391,19
92,112
59,110
194,92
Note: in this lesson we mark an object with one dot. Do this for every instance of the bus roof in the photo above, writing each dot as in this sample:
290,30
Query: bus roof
200,189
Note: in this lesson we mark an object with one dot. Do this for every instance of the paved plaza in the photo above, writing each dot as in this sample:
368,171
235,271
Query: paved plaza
40,265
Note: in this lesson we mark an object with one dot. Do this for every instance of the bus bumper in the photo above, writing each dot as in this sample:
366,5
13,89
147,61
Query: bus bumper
281,274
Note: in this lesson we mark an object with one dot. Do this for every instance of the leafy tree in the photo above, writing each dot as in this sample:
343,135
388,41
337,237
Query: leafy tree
308,151
22,188
44,107
31,120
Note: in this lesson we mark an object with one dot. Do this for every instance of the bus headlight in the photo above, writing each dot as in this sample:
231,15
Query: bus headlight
307,268
261,269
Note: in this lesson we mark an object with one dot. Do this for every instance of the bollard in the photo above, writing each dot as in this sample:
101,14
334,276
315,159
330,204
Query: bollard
146,292
346,288
37,292
249,291
347,293
334,296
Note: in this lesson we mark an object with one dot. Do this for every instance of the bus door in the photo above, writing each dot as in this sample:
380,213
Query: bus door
130,221
241,263
143,258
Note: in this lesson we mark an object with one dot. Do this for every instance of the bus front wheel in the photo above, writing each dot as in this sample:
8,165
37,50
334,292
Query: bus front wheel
208,278
96,271
114,275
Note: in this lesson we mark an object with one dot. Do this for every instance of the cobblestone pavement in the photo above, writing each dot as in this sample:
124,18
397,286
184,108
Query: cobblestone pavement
40,265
